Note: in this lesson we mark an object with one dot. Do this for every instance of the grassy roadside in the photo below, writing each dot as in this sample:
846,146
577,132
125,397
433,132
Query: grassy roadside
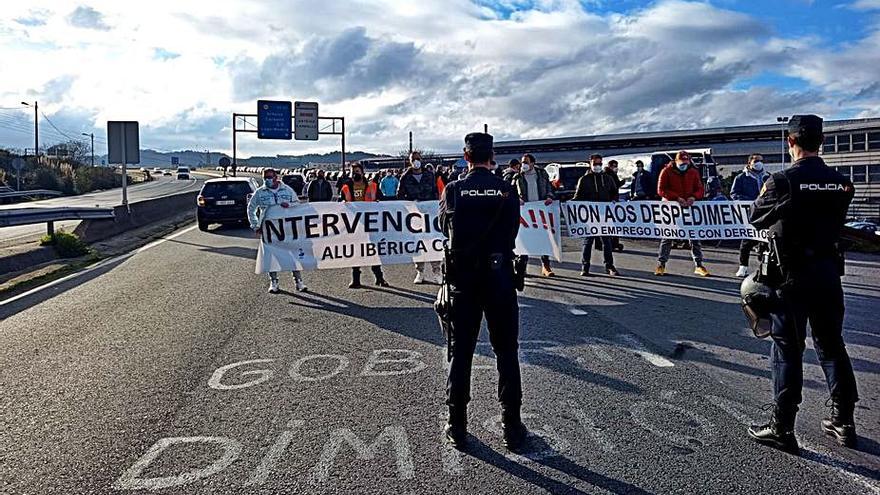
123,243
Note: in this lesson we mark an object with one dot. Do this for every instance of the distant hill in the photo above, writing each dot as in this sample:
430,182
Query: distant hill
190,158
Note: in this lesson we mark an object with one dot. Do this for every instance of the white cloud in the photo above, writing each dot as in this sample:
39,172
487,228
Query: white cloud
440,68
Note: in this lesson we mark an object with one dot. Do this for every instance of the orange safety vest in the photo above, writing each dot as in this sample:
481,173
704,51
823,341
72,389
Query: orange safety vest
370,193
440,186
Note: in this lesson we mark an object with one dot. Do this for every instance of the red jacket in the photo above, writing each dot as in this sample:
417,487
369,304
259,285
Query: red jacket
674,184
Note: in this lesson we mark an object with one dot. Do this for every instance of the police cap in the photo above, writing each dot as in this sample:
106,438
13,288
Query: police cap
478,142
805,125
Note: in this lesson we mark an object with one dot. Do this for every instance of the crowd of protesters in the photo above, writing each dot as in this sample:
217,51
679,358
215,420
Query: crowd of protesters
680,181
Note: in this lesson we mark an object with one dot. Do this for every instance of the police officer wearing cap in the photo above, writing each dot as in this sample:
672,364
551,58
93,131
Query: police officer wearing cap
804,207
480,216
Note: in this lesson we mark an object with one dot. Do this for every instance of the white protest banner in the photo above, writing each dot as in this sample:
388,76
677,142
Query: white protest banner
704,221
342,235
539,232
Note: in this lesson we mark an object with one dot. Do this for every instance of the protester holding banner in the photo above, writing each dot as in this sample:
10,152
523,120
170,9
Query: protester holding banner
533,184
273,194
417,184
746,187
681,182
596,186
358,188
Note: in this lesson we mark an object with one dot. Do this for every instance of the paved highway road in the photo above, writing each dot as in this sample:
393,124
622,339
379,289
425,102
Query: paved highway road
173,370
162,186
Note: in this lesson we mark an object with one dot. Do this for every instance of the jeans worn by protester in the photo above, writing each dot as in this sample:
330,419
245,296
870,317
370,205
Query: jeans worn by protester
272,195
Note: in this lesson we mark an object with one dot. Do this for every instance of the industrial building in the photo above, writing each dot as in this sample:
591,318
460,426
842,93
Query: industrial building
853,146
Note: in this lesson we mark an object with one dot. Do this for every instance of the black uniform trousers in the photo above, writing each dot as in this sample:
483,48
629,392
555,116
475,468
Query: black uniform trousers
494,297
814,294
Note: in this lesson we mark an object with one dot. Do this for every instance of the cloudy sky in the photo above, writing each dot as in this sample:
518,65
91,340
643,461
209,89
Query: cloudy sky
441,69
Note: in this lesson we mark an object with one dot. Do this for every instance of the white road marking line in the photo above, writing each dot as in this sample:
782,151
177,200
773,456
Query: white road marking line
639,348
94,267
261,473
577,311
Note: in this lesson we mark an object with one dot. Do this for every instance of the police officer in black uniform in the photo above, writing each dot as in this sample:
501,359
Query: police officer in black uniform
480,216
804,207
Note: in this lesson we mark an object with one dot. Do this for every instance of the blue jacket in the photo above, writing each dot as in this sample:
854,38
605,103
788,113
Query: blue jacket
388,186
747,185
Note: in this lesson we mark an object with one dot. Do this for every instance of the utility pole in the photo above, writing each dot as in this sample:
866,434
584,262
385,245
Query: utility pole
36,128
207,159
485,128
410,142
92,136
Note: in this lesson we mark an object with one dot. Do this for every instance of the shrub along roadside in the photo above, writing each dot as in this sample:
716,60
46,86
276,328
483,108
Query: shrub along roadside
67,245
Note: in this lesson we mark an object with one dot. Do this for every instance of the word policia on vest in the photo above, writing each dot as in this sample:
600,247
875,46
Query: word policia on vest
341,235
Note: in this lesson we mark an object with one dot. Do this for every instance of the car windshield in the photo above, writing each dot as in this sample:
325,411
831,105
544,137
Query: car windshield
237,188
570,175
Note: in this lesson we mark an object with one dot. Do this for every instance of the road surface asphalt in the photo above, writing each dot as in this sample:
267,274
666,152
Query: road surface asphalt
172,369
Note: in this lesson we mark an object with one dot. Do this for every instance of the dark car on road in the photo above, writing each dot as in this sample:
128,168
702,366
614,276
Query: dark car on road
224,201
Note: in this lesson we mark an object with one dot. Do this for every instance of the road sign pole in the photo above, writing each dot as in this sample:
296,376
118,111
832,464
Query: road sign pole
234,154
124,173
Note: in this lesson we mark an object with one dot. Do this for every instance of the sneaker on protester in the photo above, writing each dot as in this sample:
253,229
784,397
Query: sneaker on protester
420,277
743,271
701,271
301,286
273,287
436,278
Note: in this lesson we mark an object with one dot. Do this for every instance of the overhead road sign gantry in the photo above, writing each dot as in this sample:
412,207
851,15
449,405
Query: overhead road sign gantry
305,118
274,119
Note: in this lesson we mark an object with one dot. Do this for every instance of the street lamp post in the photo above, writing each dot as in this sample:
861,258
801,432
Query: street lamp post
92,136
782,121
36,129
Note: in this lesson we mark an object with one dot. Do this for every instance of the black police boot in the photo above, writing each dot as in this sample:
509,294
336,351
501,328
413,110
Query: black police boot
380,282
841,424
779,432
514,431
585,270
355,281
456,427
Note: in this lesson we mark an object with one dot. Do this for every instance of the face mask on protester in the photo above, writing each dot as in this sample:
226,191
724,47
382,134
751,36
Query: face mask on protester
526,167
683,166
269,182
758,166
597,168
417,164
357,176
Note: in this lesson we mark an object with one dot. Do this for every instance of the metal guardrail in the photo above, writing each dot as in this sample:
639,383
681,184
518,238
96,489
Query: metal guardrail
32,192
30,216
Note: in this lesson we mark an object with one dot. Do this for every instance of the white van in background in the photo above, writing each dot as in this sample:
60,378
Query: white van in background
182,173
